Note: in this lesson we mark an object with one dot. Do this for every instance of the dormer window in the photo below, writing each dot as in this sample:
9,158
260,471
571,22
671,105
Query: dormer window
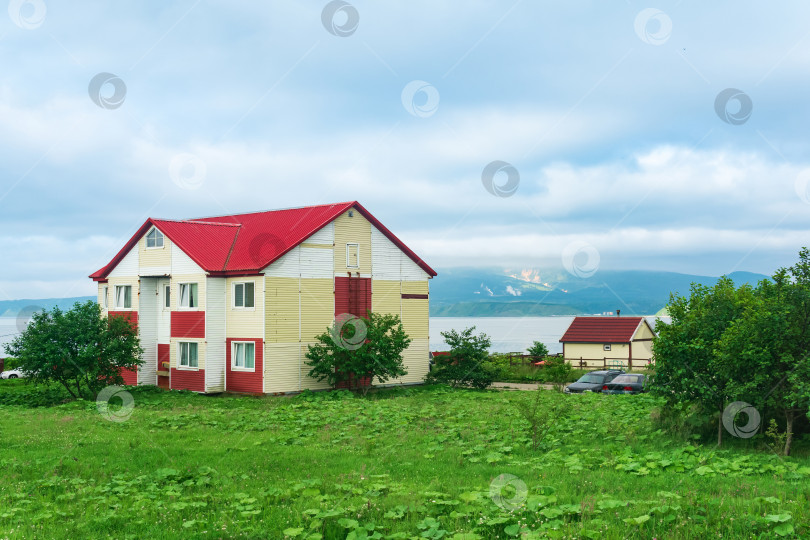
154,239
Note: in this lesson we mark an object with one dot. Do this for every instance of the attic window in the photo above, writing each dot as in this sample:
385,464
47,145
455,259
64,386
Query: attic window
154,239
353,255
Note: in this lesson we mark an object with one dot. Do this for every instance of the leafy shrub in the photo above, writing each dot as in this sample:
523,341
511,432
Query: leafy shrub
10,363
466,365
538,349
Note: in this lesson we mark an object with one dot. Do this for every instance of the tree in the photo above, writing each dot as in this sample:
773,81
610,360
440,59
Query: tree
538,349
79,349
356,350
687,368
466,363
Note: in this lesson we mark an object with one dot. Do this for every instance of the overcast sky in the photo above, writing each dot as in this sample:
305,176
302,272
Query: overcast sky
666,135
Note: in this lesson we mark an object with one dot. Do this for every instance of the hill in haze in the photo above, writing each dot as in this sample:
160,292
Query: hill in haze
11,308
488,292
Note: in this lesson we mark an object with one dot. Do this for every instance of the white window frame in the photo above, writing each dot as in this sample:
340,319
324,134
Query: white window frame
606,347
117,306
159,235
188,366
233,296
106,300
180,296
167,295
357,252
234,367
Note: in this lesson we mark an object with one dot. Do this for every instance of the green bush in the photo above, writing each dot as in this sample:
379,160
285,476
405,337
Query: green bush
10,363
466,365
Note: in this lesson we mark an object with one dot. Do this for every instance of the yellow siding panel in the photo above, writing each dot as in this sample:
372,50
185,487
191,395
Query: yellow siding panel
415,287
317,307
386,297
352,230
282,371
245,322
415,358
156,256
282,309
415,318
308,382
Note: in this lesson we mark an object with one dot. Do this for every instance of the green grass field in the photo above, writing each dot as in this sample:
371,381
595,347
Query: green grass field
417,463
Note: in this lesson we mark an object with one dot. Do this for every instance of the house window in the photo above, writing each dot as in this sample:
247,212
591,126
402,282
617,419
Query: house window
606,346
154,239
243,295
243,355
188,354
167,296
123,296
188,296
352,255
105,299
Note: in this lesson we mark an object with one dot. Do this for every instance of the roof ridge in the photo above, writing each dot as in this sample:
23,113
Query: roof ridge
230,251
276,210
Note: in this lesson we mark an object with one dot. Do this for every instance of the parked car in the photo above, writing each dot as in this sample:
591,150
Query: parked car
12,374
629,383
593,381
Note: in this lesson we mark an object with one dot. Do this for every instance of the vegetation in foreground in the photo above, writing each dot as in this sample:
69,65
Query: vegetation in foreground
428,462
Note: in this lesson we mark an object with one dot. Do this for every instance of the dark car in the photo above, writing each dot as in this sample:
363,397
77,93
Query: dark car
593,381
628,383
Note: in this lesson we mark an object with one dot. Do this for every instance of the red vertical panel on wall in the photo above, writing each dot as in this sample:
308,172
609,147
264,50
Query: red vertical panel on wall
188,324
352,295
164,355
187,379
244,381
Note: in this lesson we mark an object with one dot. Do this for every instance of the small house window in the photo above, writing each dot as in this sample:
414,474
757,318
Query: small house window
105,299
188,295
154,239
243,294
123,296
352,255
606,346
167,296
188,354
244,355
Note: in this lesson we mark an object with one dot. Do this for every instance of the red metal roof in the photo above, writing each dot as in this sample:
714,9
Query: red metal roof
246,243
601,330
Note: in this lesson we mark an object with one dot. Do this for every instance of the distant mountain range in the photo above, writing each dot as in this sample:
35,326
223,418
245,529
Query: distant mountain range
477,292
12,308
492,292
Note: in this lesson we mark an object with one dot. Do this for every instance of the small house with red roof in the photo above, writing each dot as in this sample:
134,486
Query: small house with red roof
608,341
230,303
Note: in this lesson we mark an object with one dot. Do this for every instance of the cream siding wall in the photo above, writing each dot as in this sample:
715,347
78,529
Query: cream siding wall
282,369
386,297
103,289
643,349
352,230
282,309
416,359
245,322
200,280
594,354
201,352
155,261
147,330
215,325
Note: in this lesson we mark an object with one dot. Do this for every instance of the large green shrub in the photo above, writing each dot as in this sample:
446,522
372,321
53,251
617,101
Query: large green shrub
466,365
